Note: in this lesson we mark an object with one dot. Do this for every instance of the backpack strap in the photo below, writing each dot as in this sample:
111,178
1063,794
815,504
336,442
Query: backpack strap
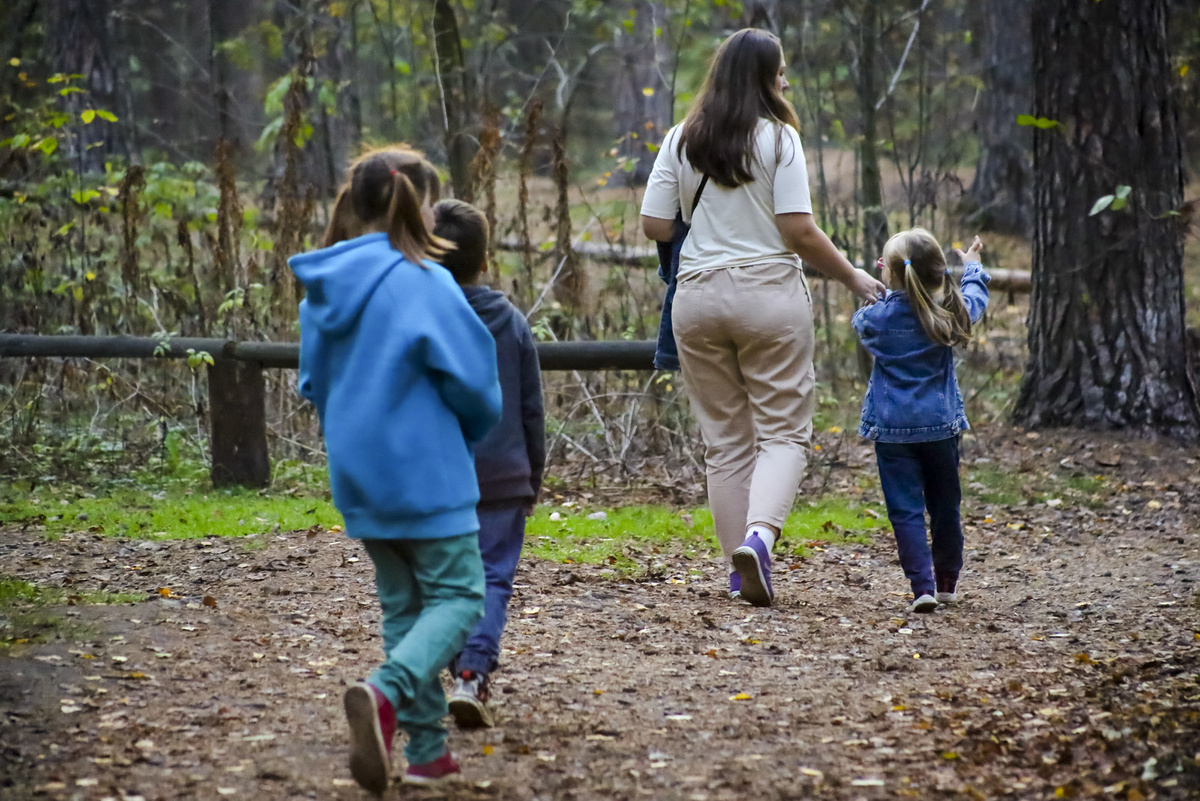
699,192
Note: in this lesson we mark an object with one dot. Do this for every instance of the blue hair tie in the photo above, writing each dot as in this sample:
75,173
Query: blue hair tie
907,262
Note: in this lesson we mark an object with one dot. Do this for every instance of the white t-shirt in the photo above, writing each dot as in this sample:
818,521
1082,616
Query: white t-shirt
733,227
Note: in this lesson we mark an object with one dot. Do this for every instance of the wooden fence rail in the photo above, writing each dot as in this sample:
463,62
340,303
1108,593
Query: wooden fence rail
237,391
1016,281
611,355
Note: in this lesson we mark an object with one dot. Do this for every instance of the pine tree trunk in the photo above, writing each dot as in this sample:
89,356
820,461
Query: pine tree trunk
640,117
1002,191
874,218
1106,322
455,99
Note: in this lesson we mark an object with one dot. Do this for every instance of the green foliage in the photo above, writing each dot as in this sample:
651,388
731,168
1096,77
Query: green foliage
1115,201
1043,123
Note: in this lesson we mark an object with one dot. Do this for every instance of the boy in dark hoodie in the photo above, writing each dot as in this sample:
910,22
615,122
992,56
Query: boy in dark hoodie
508,462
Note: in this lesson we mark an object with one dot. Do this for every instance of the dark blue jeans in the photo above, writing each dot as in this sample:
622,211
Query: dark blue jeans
501,535
916,476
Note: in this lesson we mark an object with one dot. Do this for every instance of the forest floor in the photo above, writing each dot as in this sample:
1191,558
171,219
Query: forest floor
1069,668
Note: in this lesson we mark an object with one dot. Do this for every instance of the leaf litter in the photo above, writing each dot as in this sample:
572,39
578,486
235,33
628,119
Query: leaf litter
1070,668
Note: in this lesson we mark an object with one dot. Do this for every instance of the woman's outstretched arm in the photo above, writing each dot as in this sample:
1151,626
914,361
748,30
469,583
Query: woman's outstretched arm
801,233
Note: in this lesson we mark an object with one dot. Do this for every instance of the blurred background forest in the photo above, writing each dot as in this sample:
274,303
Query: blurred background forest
159,161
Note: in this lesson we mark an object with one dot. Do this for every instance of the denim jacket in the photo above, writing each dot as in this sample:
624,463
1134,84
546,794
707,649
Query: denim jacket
913,393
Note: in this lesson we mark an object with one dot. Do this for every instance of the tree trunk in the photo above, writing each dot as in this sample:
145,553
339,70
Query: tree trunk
641,118
1106,320
81,43
1002,192
455,98
874,219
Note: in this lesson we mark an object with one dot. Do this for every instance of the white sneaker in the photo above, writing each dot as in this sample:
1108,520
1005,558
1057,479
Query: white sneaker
925,604
946,597
468,701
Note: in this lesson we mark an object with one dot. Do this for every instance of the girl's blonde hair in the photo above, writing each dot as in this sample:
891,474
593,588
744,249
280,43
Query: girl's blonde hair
917,257
388,185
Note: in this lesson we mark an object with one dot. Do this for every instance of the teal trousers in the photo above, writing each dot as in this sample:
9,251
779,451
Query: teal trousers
431,594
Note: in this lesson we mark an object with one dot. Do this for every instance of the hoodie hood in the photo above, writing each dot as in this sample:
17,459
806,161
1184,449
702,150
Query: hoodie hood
491,306
339,280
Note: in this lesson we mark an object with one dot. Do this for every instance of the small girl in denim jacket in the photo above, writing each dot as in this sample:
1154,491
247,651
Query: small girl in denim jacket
913,409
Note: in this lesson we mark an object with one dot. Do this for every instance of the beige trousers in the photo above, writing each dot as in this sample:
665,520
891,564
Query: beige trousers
745,338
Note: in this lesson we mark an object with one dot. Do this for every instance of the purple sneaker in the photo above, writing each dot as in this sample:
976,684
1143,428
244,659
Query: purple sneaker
735,586
752,561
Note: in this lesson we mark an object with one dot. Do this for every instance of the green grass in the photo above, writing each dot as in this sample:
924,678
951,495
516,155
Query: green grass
627,536
999,487
25,615
171,514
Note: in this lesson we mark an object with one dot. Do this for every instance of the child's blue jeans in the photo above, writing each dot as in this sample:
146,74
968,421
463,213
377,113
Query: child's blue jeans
916,476
501,535
431,594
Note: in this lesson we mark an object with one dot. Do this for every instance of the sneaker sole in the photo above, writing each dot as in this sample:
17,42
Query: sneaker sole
754,583
368,755
430,780
470,713
923,608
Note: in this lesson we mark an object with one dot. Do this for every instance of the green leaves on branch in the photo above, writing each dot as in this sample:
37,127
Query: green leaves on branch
1116,201
198,357
89,115
1037,122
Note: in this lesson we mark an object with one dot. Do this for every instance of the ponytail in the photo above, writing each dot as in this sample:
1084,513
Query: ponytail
918,258
385,191
343,224
406,228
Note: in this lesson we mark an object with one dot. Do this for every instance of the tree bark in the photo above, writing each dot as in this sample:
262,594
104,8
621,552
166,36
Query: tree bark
455,97
874,219
82,44
1106,321
1002,191
641,118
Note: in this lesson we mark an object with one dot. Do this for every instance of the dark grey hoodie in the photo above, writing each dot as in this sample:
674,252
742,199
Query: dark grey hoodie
510,459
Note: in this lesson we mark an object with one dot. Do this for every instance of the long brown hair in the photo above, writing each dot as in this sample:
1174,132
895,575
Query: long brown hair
388,185
917,257
740,89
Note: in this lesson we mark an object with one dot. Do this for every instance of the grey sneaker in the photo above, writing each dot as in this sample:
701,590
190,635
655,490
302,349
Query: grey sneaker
947,588
924,604
468,701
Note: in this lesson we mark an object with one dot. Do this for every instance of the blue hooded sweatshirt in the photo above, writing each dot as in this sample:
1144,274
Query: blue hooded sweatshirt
403,375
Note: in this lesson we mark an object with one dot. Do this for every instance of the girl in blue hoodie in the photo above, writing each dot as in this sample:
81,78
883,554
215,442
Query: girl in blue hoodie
403,374
913,409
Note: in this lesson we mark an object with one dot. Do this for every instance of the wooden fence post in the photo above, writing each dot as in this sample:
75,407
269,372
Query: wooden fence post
238,418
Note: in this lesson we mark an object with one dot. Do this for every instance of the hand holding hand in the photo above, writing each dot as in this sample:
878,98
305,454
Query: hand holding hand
865,287
972,253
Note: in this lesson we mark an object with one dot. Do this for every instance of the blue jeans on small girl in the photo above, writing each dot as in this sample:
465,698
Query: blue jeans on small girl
917,476
501,536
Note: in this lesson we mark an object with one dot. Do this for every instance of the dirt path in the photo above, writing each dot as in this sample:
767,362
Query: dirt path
1069,669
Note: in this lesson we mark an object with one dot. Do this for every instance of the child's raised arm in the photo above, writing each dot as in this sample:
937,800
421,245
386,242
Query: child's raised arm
974,281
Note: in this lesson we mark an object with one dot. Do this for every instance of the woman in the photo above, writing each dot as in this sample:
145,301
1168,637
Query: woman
742,313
